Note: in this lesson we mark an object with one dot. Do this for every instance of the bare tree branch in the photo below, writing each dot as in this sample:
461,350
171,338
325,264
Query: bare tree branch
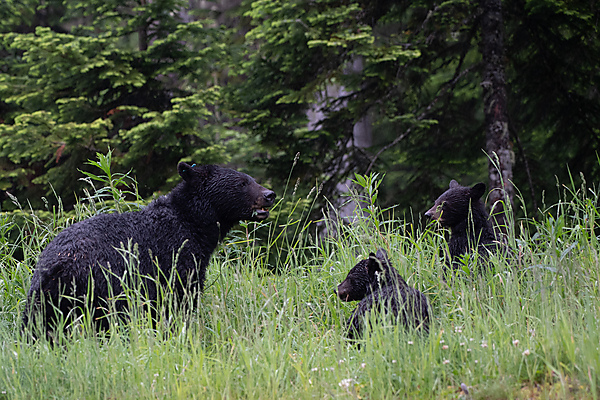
446,87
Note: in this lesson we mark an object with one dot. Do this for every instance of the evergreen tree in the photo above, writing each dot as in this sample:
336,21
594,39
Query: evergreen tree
159,83
421,85
140,77
418,84
553,50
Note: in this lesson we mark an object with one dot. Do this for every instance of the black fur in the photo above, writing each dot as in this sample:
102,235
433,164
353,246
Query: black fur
461,209
191,220
376,283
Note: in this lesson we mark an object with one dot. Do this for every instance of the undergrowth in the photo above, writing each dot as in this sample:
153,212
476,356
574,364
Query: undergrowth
528,327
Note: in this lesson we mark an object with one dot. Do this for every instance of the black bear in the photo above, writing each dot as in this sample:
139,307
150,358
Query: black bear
175,236
461,209
378,285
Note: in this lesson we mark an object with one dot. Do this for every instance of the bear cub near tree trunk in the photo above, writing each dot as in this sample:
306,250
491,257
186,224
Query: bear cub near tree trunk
175,236
461,209
378,285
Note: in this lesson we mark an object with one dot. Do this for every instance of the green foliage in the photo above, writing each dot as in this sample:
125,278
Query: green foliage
508,332
70,95
158,83
552,47
413,71
23,15
296,53
161,81
396,66
114,187
120,18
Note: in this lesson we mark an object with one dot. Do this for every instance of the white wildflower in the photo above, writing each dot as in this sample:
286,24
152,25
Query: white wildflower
345,383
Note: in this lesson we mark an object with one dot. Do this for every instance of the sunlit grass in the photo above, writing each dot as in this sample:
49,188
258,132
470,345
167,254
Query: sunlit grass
527,332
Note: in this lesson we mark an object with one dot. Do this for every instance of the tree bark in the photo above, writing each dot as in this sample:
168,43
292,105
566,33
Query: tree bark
143,33
498,144
343,209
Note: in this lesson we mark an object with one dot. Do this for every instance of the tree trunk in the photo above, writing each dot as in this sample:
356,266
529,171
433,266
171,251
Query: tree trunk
498,145
143,33
343,209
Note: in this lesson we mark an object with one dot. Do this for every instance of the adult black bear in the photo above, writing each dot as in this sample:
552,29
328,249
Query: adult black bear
461,210
378,285
175,236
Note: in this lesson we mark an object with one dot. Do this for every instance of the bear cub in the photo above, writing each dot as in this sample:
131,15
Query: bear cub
461,210
175,236
376,284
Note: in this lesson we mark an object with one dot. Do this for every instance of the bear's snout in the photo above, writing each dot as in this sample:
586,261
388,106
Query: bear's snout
434,212
269,196
265,199
343,291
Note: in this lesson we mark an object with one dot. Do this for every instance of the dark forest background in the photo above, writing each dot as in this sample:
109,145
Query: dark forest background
412,89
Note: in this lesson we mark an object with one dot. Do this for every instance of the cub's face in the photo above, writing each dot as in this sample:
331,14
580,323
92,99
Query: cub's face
362,278
356,285
452,207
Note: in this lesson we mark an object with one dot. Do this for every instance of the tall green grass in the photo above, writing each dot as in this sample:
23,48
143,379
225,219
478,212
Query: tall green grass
525,331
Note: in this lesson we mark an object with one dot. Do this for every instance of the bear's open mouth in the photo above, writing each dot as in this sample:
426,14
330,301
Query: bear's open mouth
260,214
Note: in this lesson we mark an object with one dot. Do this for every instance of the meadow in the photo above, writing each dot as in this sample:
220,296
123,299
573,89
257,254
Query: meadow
524,328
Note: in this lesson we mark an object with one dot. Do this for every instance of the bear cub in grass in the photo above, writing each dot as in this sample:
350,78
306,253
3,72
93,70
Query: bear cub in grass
376,284
175,236
461,209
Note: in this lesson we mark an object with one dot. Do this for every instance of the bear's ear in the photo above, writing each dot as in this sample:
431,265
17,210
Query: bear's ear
477,190
373,268
453,184
382,256
185,170
374,264
371,262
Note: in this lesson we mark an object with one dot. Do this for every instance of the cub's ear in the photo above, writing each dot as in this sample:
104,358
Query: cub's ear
477,190
372,259
382,256
373,266
185,170
453,184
